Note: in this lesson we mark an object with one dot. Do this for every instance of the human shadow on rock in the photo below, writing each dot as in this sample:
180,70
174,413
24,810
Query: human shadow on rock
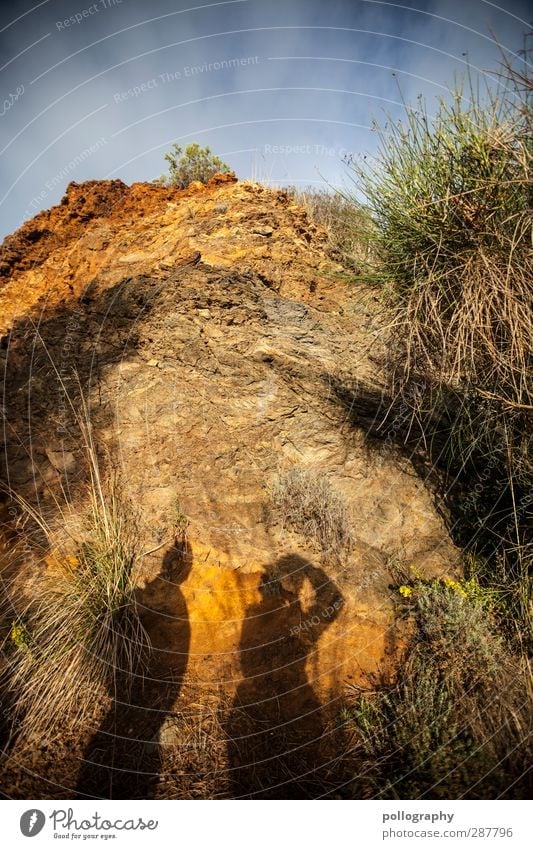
276,725
123,760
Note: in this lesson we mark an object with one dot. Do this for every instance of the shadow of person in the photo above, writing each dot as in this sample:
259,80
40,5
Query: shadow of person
276,723
123,759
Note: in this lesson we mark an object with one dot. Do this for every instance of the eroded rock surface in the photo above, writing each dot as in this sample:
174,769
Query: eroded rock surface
208,328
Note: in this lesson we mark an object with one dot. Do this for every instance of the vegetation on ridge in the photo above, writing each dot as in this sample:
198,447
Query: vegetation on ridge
195,163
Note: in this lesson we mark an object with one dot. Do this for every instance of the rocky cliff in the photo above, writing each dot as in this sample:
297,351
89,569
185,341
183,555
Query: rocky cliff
209,330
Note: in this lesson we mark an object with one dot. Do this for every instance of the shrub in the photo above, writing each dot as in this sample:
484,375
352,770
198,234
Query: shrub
196,163
455,721
451,203
306,502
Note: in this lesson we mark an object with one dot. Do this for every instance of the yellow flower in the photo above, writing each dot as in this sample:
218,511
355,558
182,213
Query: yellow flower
19,636
415,571
405,591
454,585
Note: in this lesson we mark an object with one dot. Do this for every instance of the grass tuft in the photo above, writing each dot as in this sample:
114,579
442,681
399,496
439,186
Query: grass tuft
306,502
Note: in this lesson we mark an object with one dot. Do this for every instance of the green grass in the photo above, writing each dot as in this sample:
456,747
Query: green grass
455,722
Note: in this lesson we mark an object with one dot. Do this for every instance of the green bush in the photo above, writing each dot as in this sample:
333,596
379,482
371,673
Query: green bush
455,721
196,163
450,198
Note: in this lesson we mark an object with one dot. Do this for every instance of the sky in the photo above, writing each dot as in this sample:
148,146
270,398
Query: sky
281,90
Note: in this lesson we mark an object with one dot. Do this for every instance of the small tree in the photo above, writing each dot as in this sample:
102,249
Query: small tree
197,163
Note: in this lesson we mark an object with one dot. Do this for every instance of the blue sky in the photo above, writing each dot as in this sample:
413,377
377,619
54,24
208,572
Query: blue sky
280,89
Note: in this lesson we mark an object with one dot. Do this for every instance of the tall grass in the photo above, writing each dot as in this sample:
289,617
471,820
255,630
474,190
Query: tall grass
346,223
77,631
451,200
450,197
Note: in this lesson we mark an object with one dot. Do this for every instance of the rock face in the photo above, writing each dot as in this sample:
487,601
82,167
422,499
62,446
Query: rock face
209,330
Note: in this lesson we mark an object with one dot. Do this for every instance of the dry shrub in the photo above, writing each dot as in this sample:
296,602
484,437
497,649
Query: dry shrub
306,502
450,198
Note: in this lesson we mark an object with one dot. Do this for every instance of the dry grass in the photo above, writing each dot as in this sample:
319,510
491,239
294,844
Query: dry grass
80,630
473,324
450,198
306,502
347,224
194,748
451,203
